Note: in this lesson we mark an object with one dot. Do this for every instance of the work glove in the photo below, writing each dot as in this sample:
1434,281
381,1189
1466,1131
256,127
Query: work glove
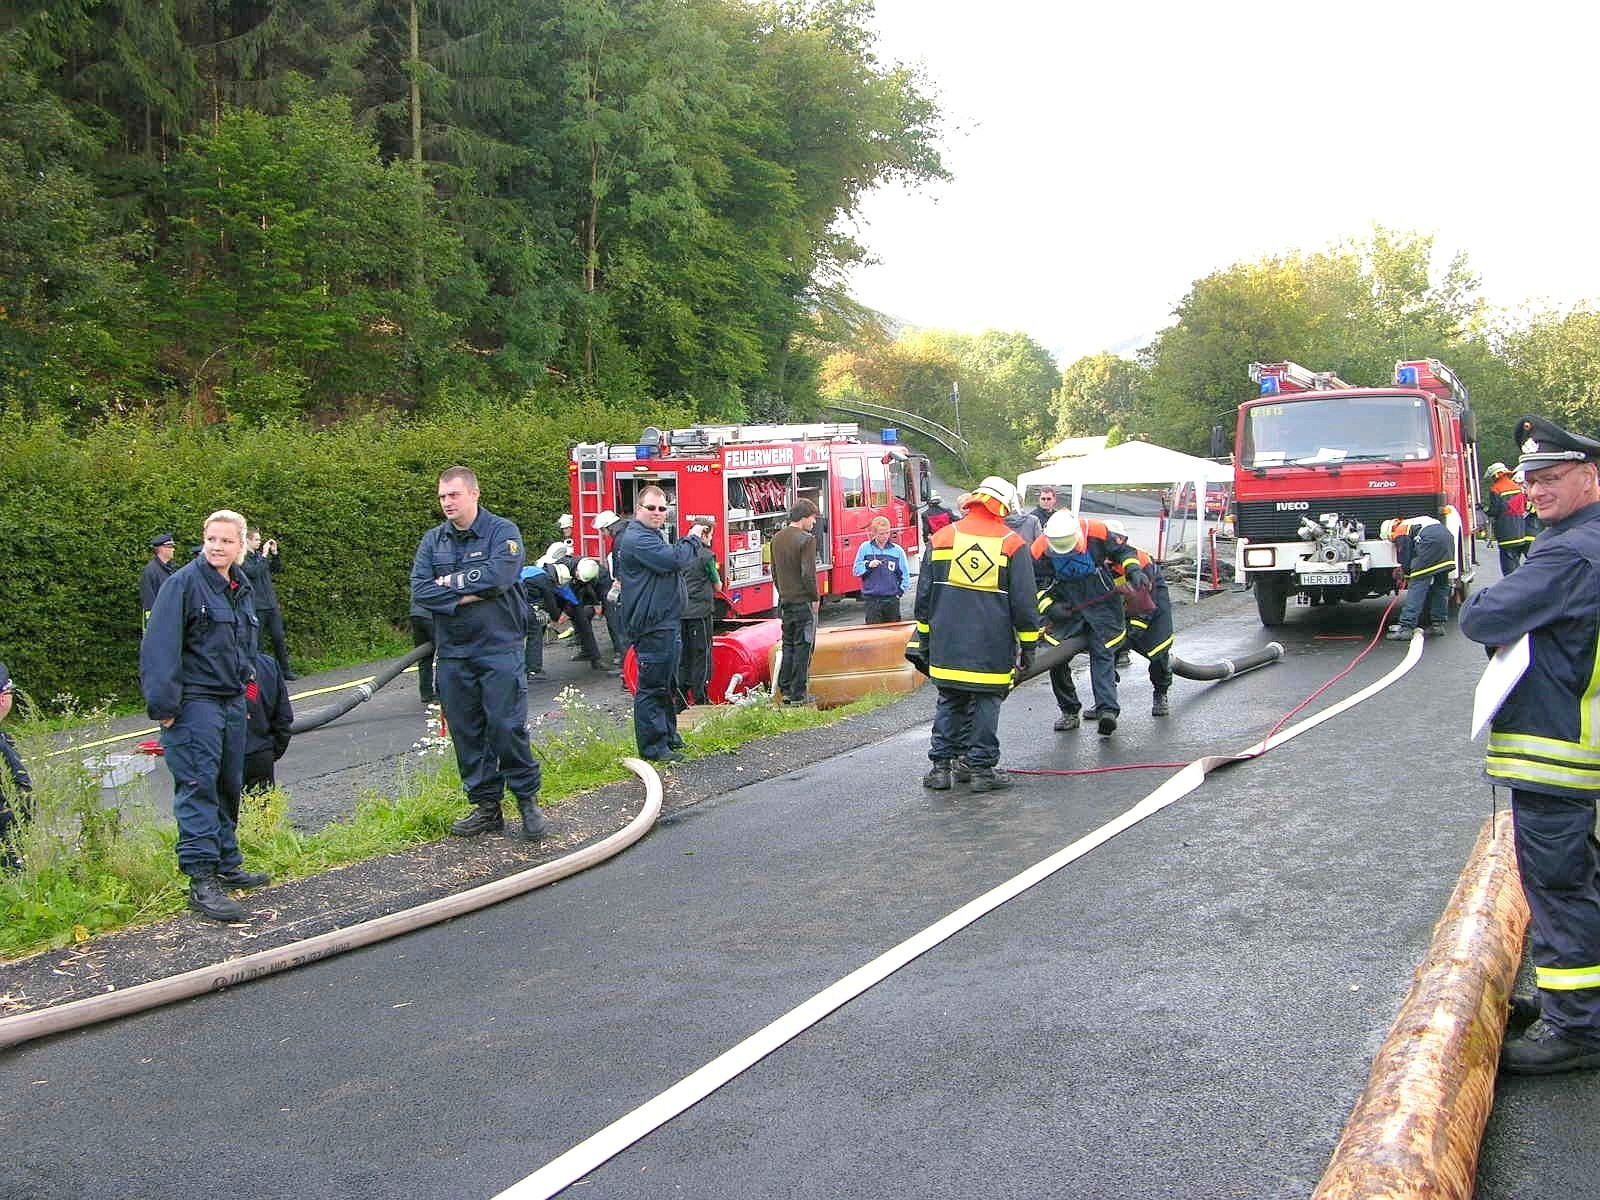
1136,578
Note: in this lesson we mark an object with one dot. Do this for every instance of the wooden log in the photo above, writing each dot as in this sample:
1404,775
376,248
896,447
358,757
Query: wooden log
1415,1131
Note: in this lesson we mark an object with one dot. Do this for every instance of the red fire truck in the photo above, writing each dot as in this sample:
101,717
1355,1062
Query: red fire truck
742,479
1320,464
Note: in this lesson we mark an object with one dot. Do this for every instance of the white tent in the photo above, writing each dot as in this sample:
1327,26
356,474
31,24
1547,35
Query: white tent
1135,463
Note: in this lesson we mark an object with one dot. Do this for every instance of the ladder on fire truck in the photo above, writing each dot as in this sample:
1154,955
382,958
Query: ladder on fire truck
1283,378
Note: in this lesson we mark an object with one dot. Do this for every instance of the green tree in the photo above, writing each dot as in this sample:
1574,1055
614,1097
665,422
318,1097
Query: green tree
288,280
1098,392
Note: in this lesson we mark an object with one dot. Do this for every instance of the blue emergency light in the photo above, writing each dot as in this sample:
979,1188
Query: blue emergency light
891,437
1269,385
1408,377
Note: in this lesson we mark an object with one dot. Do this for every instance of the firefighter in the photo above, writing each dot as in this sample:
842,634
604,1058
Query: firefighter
1507,506
1080,563
1148,607
976,629
1541,744
1427,553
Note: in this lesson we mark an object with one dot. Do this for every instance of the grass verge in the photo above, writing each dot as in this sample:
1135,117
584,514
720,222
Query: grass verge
91,870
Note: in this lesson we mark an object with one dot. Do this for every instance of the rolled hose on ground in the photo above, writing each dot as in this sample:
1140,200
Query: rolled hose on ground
361,693
1052,653
77,1013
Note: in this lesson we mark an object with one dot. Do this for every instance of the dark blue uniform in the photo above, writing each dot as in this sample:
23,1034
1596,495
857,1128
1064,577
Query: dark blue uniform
197,655
1545,744
261,568
649,567
1427,553
478,649
14,782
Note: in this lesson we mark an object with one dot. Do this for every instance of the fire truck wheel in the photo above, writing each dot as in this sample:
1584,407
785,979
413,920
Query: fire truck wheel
1272,599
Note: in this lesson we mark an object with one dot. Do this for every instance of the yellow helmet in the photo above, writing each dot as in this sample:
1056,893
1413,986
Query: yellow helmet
995,494
1063,532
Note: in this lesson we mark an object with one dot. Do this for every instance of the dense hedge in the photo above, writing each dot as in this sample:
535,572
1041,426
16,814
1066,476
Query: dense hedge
347,505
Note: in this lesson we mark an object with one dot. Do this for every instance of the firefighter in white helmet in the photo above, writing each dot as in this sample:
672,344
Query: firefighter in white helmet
976,626
1079,564
1507,506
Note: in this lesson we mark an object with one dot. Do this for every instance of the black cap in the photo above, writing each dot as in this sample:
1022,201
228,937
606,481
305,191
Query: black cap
161,539
5,678
1544,443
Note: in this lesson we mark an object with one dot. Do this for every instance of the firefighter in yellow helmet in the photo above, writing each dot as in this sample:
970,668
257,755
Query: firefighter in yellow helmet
976,626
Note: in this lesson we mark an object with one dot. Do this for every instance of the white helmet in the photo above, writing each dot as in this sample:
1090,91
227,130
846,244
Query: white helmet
563,576
588,570
1063,532
564,521
1116,527
996,489
606,520
1386,530
555,552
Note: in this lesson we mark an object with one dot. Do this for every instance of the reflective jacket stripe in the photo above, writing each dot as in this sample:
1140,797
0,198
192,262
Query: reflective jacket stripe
1567,979
1155,650
1446,565
955,676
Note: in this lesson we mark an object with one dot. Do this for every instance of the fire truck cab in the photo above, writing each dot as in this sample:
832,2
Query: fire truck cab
1319,465
742,480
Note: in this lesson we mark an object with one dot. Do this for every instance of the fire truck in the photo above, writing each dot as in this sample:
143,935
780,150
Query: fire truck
1320,464
742,480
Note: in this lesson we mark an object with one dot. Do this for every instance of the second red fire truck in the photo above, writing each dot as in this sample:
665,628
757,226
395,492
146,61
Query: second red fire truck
1319,465
742,479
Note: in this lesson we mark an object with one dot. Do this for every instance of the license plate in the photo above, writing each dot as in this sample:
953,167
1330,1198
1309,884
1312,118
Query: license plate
1327,579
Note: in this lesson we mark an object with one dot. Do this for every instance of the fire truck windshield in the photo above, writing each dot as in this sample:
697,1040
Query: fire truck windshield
1333,428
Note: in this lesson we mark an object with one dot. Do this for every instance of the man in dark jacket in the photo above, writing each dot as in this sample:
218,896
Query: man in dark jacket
976,627
466,574
794,573
15,783
1544,746
268,719
700,581
197,655
650,570
157,571
261,564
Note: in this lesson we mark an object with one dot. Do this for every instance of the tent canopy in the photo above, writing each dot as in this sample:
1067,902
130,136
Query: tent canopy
1135,463
1129,463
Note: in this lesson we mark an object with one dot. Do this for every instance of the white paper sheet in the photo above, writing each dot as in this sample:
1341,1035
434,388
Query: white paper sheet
1499,677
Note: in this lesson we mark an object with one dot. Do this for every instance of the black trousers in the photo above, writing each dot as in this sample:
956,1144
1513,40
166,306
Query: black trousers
1559,860
422,631
881,610
258,773
694,666
799,638
272,625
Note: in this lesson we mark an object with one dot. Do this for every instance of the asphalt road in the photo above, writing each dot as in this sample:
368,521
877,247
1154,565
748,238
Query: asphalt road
1190,1010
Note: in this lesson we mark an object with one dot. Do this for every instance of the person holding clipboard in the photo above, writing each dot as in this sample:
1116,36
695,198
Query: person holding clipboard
1544,741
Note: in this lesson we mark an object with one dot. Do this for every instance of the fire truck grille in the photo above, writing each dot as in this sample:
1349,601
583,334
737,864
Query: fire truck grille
1263,521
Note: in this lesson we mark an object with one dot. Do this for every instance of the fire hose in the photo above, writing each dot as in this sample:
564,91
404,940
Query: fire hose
1056,652
361,693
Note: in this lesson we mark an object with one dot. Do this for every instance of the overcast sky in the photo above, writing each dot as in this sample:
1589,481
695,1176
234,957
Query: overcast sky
1107,154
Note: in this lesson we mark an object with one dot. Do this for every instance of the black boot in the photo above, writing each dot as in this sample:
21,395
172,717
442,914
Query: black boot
990,779
938,776
533,821
485,818
1065,722
208,899
238,877
1106,723
1159,706
960,772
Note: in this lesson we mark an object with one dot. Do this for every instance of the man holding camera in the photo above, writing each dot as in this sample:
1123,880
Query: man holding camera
261,564
649,568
